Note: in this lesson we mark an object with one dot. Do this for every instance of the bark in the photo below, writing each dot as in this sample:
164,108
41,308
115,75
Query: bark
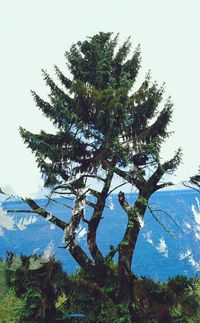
127,245
69,230
135,216
100,267
51,218
70,235
96,218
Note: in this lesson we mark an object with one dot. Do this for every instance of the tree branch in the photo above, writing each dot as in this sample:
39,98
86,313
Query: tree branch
116,187
191,187
112,252
123,202
51,218
157,220
133,177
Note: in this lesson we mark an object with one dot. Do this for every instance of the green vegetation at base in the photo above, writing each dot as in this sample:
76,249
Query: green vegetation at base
34,291
10,305
3,285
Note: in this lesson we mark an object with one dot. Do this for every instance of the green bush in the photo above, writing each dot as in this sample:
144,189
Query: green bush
43,292
10,305
38,283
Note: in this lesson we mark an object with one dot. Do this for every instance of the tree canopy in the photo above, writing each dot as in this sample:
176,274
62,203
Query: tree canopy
104,128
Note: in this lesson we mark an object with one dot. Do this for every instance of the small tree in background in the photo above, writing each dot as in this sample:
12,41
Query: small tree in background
194,182
103,129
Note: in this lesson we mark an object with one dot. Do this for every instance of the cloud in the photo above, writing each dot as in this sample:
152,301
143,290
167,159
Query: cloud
162,247
35,250
197,235
52,226
6,221
148,236
141,221
195,264
10,223
25,222
111,204
49,252
195,212
185,254
188,225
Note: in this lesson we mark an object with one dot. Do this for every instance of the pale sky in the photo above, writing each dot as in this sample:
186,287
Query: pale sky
35,34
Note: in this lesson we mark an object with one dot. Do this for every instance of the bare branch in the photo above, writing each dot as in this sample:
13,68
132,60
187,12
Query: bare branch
93,205
163,185
21,211
162,225
171,218
58,202
191,187
86,221
116,187
95,193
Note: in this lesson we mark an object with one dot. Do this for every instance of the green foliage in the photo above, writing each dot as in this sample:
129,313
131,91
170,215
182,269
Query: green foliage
104,128
142,200
177,300
10,307
186,293
98,117
173,301
38,283
3,285
153,300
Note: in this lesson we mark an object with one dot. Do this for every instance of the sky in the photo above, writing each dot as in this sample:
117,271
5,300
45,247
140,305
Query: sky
36,34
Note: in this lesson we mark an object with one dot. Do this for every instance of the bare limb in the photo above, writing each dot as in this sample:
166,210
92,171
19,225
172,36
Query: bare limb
162,225
21,211
95,193
171,218
57,202
93,205
191,187
116,187
163,185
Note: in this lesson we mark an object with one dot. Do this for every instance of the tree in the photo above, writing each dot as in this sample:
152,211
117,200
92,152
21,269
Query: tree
103,129
194,182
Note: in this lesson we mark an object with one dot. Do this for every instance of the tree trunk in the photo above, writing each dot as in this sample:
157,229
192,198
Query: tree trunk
127,246
126,249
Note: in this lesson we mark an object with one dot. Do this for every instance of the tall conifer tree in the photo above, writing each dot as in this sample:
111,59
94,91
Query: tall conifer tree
104,129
